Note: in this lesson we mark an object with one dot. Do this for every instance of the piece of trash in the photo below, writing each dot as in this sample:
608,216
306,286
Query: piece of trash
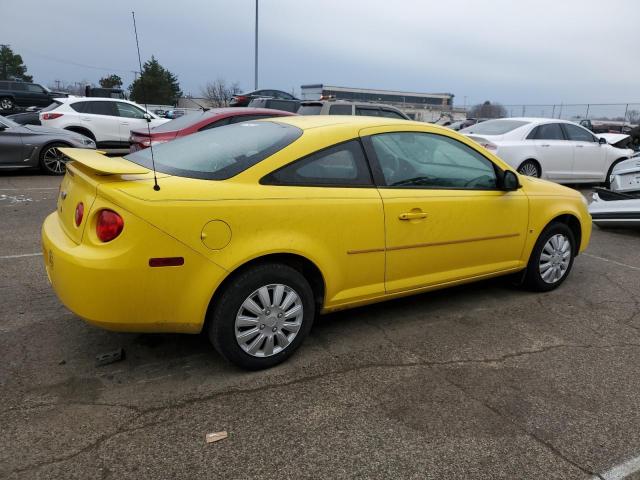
110,357
216,437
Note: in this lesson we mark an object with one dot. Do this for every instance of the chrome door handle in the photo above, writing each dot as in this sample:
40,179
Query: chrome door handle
412,215
579,146
545,145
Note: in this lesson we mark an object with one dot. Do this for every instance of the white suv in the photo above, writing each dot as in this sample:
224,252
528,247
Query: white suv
107,121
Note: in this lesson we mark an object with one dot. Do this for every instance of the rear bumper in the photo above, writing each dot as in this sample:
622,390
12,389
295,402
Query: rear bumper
113,286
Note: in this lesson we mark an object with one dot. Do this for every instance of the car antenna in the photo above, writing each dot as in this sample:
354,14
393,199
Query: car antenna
204,109
156,187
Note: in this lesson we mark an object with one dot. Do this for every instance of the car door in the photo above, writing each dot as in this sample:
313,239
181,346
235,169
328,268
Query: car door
131,118
332,190
553,151
101,118
12,150
38,96
589,158
446,219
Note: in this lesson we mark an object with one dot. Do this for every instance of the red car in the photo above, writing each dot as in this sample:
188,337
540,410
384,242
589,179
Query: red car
197,122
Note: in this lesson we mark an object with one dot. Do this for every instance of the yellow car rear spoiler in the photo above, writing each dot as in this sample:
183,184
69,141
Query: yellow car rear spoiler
100,163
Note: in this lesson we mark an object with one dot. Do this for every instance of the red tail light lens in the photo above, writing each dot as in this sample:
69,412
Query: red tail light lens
109,225
51,116
79,213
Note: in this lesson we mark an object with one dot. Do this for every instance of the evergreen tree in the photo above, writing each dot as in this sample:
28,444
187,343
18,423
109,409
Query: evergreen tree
11,66
112,81
159,84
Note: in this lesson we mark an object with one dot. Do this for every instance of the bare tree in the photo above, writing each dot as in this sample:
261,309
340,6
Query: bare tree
487,110
219,92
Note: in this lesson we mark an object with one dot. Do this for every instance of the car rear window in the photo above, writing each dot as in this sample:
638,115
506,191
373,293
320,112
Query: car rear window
219,153
182,122
494,127
310,109
51,106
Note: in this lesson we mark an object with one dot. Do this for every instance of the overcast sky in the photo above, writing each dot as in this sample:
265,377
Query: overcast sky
512,51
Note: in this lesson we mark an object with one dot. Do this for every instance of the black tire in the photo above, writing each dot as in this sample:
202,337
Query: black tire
222,320
53,163
530,166
533,279
6,104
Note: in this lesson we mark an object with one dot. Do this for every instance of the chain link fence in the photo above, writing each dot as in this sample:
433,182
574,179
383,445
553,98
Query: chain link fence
616,112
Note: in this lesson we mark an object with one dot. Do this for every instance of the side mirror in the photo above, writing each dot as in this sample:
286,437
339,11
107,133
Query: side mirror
147,117
510,181
602,141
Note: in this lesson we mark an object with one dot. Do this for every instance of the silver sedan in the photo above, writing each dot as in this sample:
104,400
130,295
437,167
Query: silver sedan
31,146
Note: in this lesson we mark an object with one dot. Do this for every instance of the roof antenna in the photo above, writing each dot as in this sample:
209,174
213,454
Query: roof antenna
156,187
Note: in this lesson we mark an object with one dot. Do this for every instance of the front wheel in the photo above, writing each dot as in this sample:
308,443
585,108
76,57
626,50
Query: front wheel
262,316
6,104
52,160
551,259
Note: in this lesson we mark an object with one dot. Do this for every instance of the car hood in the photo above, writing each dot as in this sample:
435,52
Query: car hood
617,140
540,187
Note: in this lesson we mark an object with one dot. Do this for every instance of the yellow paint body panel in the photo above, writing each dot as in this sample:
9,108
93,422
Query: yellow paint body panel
353,236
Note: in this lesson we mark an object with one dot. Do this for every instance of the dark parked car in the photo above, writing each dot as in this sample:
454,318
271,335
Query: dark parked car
243,99
23,94
275,104
23,146
197,122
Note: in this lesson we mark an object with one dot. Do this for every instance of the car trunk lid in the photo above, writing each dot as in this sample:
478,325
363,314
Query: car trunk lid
87,170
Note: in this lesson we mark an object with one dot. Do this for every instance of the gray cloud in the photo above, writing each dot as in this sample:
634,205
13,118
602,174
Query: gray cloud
510,51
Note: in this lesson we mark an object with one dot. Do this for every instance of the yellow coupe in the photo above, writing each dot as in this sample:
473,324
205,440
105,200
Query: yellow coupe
257,227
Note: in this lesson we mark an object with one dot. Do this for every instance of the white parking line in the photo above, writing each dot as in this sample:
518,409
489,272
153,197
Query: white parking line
620,471
8,257
611,261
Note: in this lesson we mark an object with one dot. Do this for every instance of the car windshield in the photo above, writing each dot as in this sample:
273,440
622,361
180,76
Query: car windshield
219,153
182,122
494,127
7,122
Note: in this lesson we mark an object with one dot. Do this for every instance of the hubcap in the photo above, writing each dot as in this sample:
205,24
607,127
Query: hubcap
555,258
529,169
268,320
6,104
54,160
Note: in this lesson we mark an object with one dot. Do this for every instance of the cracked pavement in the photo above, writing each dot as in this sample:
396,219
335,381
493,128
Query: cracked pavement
481,381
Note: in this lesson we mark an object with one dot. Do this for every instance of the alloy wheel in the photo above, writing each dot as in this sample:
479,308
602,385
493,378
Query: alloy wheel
268,320
529,169
54,160
6,104
555,258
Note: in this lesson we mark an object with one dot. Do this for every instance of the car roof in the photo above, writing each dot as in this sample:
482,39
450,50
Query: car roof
307,122
534,119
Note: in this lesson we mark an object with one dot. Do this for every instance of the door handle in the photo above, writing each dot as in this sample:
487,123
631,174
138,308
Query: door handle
124,123
412,215
545,145
86,119
579,146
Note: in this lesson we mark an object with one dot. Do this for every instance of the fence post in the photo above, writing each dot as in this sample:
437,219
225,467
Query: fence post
523,109
586,115
553,112
626,109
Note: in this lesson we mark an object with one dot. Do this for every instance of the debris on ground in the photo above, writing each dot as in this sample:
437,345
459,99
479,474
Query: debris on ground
110,357
217,436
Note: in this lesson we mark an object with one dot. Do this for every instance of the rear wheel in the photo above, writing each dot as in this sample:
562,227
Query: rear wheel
262,316
52,160
551,259
529,168
6,104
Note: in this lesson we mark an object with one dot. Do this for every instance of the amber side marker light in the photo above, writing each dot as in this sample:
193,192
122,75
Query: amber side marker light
166,262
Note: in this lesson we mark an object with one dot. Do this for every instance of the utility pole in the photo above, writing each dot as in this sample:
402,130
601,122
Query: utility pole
255,67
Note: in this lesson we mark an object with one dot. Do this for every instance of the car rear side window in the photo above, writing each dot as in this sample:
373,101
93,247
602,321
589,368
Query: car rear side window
390,114
369,112
95,108
578,134
548,131
340,110
343,165
219,153
494,127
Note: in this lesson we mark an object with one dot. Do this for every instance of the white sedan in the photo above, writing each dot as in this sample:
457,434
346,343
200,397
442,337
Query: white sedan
554,149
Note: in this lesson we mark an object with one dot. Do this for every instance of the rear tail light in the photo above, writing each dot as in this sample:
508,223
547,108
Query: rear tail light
51,116
109,225
240,98
79,214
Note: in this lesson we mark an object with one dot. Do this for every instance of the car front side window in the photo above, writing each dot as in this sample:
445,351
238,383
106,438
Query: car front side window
425,160
578,134
129,111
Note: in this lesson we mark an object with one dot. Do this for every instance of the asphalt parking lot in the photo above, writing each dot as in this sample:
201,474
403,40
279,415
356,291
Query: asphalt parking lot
483,381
